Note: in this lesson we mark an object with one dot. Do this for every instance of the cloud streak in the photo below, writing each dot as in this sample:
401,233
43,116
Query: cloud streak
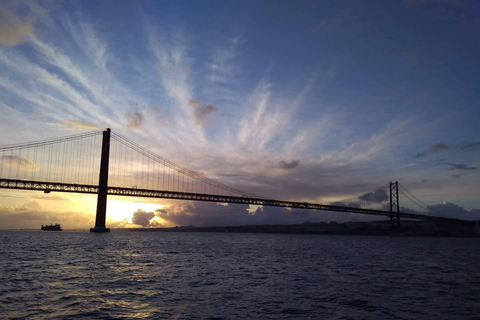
471,146
459,166
76,125
19,162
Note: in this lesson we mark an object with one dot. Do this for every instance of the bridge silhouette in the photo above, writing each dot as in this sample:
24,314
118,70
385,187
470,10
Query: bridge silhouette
70,164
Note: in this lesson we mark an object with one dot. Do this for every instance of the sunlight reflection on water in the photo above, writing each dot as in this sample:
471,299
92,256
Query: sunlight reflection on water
214,275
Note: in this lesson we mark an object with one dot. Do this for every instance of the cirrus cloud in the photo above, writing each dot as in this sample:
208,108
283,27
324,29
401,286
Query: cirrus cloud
459,166
19,162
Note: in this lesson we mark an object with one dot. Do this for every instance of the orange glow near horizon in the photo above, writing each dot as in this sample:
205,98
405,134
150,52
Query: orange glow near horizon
121,210
72,210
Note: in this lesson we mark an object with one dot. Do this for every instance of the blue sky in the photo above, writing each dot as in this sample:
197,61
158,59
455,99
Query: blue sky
300,100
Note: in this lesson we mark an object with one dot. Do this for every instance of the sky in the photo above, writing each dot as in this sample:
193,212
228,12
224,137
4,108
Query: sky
298,100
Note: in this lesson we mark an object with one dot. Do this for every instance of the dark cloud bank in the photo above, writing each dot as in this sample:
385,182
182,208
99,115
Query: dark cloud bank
144,219
201,214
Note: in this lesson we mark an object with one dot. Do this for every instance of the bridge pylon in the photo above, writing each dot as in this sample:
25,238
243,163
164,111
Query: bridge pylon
103,186
394,206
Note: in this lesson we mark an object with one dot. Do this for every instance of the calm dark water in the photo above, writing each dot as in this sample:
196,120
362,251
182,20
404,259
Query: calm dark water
125,275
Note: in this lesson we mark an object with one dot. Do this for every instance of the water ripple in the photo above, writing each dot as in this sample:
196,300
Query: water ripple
147,275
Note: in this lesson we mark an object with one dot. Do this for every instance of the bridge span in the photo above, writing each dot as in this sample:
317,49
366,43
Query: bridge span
48,187
68,164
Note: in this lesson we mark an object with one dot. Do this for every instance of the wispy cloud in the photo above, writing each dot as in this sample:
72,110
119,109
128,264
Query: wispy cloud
373,147
76,125
459,166
266,121
50,198
75,88
471,146
174,65
222,67
48,93
19,162
377,196
451,148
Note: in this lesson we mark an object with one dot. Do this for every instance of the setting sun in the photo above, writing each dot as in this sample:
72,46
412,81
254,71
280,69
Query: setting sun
122,210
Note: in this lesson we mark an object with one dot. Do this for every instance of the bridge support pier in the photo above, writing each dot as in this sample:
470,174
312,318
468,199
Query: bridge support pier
103,186
394,205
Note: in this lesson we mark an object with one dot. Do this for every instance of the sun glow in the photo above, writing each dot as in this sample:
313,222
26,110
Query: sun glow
121,210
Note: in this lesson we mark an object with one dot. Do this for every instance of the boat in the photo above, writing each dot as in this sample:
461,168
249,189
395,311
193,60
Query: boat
52,227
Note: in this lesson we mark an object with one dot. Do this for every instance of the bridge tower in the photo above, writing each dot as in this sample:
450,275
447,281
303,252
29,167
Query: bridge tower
394,206
103,186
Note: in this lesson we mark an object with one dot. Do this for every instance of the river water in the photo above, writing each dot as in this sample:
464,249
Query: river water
155,275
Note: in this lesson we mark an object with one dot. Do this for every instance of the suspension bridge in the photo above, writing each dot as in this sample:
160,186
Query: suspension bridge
107,163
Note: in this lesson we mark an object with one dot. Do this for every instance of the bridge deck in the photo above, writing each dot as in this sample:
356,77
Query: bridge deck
133,192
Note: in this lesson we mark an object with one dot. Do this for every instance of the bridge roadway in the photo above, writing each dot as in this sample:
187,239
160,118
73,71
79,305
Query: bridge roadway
133,192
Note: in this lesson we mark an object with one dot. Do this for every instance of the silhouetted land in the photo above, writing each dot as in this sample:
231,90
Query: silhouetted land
378,228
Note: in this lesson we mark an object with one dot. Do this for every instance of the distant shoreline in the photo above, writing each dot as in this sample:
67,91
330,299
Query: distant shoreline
408,228
374,228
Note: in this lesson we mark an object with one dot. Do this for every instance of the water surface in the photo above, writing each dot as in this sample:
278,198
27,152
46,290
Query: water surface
125,275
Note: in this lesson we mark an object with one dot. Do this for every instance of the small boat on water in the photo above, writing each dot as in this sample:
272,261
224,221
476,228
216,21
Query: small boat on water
51,227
